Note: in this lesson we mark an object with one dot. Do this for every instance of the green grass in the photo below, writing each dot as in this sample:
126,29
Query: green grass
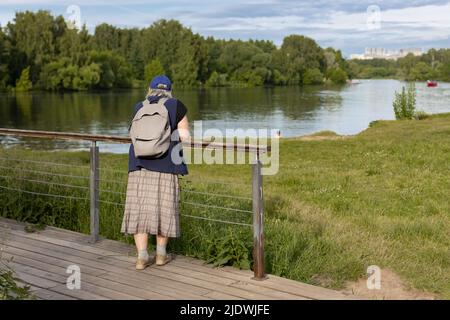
325,133
336,206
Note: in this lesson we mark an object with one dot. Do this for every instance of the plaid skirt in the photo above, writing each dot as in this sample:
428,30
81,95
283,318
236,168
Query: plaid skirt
152,204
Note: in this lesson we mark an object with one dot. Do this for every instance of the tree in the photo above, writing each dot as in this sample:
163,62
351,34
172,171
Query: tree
407,63
115,71
214,49
64,58
265,45
106,37
75,45
278,78
444,71
337,76
63,74
24,82
421,71
217,80
297,54
247,64
87,77
313,76
185,69
153,69
4,60
34,35
162,40
131,48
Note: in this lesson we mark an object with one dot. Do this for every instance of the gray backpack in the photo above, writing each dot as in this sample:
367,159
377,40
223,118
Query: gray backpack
150,130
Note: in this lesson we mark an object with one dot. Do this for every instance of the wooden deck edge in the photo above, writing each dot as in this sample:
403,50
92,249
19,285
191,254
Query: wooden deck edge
284,287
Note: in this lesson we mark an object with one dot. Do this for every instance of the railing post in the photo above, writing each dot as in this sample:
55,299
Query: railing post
94,192
258,220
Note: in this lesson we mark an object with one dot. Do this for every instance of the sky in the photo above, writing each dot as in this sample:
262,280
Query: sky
350,26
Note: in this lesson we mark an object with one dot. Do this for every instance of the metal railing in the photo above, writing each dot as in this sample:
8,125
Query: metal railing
95,189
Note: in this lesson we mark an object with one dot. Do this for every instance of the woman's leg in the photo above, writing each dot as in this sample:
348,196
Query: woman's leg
161,255
161,244
141,241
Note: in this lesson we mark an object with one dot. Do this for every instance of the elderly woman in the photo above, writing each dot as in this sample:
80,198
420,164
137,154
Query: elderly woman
152,198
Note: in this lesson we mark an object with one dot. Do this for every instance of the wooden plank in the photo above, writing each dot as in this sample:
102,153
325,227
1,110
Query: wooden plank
89,257
161,284
45,294
67,251
201,276
295,287
181,287
13,251
72,259
172,268
275,294
273,282
106,267
167,281
72,245
52,232
158,271
244,280
114,257
109,245
57,270
92,287
89,292
231,282
221,296
20,267
126,289
34,280
158,287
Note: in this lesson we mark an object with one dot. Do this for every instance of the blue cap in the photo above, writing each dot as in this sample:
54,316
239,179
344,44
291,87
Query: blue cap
161,82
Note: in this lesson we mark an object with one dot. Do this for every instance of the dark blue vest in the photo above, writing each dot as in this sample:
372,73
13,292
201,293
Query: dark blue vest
164,163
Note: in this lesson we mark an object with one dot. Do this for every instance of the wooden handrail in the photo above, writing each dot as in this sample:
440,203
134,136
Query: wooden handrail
122,139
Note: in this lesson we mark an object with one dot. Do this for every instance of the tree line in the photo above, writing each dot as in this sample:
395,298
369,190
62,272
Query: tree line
41,51
433,65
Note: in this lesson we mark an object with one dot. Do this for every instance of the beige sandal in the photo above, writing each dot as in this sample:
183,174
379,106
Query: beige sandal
162,260
141,264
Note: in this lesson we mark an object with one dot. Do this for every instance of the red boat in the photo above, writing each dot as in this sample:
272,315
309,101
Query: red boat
432,84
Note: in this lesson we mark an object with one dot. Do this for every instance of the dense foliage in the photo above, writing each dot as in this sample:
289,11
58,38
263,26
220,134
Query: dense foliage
38,50
434,65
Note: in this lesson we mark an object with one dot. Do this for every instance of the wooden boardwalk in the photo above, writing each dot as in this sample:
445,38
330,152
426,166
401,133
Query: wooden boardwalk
41,260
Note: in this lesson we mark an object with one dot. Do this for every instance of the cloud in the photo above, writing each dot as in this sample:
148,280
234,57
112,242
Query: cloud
341,23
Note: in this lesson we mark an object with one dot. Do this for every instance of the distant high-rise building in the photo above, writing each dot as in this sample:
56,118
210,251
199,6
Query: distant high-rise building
382,53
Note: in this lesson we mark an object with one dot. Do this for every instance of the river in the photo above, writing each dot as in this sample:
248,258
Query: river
295,111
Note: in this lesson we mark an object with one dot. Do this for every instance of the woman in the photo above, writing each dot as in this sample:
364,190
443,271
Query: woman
152,199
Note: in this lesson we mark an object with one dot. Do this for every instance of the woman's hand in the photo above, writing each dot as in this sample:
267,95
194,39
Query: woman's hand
183,129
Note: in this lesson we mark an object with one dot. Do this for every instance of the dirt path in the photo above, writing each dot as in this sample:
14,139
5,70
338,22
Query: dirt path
392,288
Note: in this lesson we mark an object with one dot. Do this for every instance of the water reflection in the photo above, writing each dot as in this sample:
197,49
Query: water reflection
294,110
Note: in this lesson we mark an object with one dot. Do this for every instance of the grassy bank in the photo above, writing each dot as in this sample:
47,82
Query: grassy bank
336,206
